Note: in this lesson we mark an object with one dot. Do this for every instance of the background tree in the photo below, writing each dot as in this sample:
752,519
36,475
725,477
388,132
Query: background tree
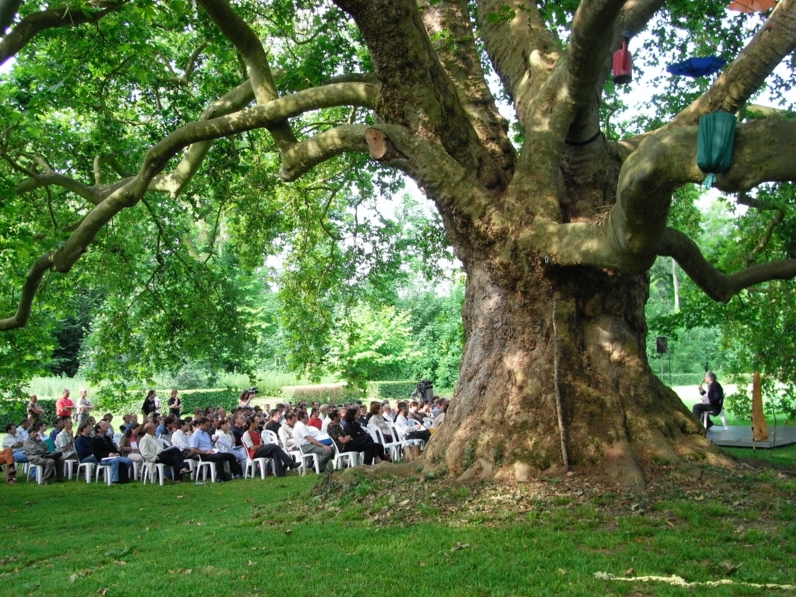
117,122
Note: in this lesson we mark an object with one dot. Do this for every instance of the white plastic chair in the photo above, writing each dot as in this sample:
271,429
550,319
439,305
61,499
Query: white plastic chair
202,466
69,468
152,469
394,447
250,469
88,468
316,463
428,422
104,469
38,472
343,459
720,415
269,437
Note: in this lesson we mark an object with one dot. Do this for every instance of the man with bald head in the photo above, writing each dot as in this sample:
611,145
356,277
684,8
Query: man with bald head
153,452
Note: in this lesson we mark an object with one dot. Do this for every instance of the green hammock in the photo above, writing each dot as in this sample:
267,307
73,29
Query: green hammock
714,145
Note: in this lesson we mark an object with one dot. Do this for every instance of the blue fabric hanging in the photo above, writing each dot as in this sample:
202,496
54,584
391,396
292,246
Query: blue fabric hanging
714,145
697,67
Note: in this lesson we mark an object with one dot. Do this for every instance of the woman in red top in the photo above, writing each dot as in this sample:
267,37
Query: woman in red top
315,421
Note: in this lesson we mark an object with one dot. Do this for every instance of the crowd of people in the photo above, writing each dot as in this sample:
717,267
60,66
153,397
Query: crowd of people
284,435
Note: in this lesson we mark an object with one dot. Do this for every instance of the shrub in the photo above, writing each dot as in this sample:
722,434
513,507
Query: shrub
390,390
328,393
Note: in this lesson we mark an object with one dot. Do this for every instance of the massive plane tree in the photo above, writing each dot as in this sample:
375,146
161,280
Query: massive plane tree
556,225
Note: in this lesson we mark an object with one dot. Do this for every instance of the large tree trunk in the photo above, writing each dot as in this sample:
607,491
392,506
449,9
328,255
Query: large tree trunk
504,420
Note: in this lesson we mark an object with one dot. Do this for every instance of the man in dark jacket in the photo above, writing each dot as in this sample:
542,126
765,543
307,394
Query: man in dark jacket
105,453
712,399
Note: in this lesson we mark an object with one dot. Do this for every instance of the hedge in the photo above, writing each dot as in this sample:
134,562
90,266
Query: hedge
680,379
326,393
390,390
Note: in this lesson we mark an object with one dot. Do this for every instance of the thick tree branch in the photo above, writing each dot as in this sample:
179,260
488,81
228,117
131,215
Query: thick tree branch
237,31
91,194
449,26
416,92
520,47
20,318
637,13
65,16
593,33
718,285
304,156
666,160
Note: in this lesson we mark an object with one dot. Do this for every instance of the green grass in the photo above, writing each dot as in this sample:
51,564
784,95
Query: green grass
391,537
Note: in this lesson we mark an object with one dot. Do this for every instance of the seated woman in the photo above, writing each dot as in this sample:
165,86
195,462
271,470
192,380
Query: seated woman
315,421
376,421
128,444
351,437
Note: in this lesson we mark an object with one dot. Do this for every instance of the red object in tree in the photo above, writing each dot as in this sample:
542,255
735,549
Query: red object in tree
622,65
752,5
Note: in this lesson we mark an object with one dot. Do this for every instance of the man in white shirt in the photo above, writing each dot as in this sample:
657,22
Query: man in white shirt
13,443
304,435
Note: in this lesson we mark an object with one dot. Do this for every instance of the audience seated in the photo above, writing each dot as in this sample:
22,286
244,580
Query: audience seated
202,445
360,442
227,441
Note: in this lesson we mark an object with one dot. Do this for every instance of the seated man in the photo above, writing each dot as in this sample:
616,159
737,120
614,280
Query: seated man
257,449
65,441
180,438
712,399
39,454
83,447
304,436
105,453
57,428
152,451
202,446
13,443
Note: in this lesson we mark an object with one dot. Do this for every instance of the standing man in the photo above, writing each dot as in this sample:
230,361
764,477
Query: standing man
202,446
712,399
84,408
64,407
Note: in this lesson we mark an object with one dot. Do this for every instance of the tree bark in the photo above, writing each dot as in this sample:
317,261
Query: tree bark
503,420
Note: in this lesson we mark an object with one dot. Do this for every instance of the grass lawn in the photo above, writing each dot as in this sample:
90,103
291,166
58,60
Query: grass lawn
413,535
